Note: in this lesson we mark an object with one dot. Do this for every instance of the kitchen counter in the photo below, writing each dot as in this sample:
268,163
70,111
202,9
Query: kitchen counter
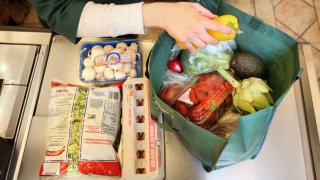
286,153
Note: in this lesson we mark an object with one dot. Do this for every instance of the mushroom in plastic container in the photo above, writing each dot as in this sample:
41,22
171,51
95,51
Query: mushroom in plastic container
133,47
109,73
117,50
88,74
96,50
99,69
127,67
120,75
100,76
116,67
88,62
121,45
133,56
107,49
133,73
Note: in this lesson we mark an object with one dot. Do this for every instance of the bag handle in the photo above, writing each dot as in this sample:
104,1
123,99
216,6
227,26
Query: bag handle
147,74
299,74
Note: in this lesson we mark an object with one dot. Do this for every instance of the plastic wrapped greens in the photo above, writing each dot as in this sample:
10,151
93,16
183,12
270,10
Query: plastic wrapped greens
81,122
207,59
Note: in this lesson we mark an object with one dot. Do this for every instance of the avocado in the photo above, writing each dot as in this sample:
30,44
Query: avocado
246,65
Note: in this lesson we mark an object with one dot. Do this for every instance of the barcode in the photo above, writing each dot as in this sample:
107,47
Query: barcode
114,95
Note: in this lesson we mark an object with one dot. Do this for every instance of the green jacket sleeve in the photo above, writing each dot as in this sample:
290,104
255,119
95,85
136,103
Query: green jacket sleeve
62,16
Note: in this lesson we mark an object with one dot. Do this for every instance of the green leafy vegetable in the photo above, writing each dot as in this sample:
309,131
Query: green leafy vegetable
74,142
202,62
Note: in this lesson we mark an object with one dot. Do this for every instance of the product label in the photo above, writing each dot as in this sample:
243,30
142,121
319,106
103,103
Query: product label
185,97
100,125
60,108
113,59
52,169
152,146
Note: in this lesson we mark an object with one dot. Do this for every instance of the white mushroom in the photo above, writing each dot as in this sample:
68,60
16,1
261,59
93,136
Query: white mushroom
99,69
127,67
134,63
88,73
96,50
96,47
133,47
107,49
88,62
132,53
117,50
117,67
121,45
108,73
133,73
120,75
100,76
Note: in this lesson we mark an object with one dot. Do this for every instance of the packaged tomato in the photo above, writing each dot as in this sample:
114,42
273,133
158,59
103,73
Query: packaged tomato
174,85
205,100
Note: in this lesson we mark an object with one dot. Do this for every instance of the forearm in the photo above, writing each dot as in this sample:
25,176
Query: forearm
152,15
103,20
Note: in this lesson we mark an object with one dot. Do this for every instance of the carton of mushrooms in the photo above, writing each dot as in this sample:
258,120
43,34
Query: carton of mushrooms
110,61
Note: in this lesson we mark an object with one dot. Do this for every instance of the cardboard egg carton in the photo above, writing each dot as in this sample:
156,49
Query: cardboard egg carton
142,140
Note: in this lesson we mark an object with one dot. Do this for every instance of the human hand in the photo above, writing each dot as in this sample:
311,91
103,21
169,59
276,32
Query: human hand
186,22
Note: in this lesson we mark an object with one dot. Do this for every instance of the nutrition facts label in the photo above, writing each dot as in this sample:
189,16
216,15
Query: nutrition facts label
101,124
111,115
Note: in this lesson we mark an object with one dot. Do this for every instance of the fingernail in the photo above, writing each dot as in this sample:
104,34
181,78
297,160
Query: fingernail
230,31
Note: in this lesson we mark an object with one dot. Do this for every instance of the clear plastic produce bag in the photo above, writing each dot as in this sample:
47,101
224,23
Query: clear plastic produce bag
207,59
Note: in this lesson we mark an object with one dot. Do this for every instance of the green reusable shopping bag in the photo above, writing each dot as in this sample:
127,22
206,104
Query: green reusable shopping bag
280,54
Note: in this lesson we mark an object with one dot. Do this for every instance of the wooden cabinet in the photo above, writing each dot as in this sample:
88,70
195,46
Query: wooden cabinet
5,13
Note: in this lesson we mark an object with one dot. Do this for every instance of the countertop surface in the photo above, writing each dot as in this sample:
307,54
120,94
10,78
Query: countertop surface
283,155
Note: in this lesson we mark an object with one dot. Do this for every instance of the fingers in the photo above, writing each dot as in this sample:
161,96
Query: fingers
214,25
198,43
195,43
190,28
207,38
189,46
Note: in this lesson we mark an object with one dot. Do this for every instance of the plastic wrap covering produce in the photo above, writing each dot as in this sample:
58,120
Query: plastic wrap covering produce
207,59
227,124
83,124
202,99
